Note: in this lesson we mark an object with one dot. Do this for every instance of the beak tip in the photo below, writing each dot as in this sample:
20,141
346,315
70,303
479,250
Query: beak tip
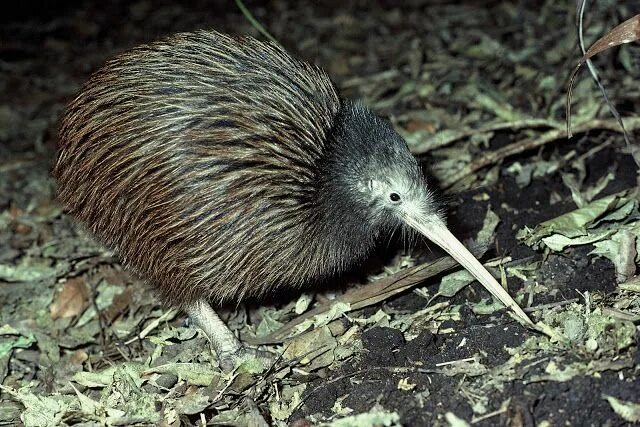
437,232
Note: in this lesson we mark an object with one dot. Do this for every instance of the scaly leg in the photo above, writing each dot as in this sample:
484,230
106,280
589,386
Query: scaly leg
231,352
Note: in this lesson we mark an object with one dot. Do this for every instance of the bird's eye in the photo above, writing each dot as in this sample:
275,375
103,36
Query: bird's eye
394,197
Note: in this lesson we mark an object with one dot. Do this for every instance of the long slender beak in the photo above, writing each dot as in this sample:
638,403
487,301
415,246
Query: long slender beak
435,230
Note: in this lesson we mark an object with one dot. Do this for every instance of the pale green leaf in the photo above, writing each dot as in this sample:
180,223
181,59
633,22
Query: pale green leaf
630,411
368,419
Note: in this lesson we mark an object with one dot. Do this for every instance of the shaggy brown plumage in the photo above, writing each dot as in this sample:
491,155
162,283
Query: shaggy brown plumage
196,158
222,168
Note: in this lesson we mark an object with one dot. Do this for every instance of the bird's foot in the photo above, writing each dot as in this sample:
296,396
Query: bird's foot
231,352
254,359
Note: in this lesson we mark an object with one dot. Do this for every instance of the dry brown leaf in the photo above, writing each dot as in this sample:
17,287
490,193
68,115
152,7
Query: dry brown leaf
413,126
21,228
627,32
119,305
113,275
71,300
79,357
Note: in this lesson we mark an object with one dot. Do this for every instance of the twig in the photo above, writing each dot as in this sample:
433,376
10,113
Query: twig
453,362
594,72
369,294
619,314
612,38
254,22
94,303
257,418
550,305
366,295
434,143
488,415
531,143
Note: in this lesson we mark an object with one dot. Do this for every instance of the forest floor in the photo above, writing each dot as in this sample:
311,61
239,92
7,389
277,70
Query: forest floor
478,90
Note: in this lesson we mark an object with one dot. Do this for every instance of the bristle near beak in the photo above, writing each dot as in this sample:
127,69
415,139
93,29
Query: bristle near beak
435,230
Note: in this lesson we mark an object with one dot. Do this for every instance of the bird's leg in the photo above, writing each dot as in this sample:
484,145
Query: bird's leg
231,352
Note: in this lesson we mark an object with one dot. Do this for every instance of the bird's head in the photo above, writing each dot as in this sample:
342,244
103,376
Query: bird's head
371,169
373,182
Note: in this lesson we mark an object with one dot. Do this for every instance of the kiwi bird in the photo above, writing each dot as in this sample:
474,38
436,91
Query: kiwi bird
220,167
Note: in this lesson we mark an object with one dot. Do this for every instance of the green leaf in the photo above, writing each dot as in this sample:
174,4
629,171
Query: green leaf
41,411
487,233
194,373
620,249
577,223
12,338
368,419
27,270
452,283
630,411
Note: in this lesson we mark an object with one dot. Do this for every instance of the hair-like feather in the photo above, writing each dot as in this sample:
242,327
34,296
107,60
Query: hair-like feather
199,159
222,168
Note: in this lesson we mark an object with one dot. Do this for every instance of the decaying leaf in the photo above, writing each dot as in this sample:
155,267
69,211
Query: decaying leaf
373,418
193,373
338,407
525,173
268,324
119,305
581,225
626,32
91,407
105,295
303,302
71,300
41,411
455,421
622,250
11,338
104,377
632,285
599,332
194,401
290,398
487,233
28,270
630,411
405,385
336,310
314,348
487,306
467,367
454,282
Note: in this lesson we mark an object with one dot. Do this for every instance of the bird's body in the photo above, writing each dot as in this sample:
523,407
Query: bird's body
200,159
221,168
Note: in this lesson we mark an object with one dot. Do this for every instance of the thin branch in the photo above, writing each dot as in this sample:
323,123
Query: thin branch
435,142
594,74
254,22
531,143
